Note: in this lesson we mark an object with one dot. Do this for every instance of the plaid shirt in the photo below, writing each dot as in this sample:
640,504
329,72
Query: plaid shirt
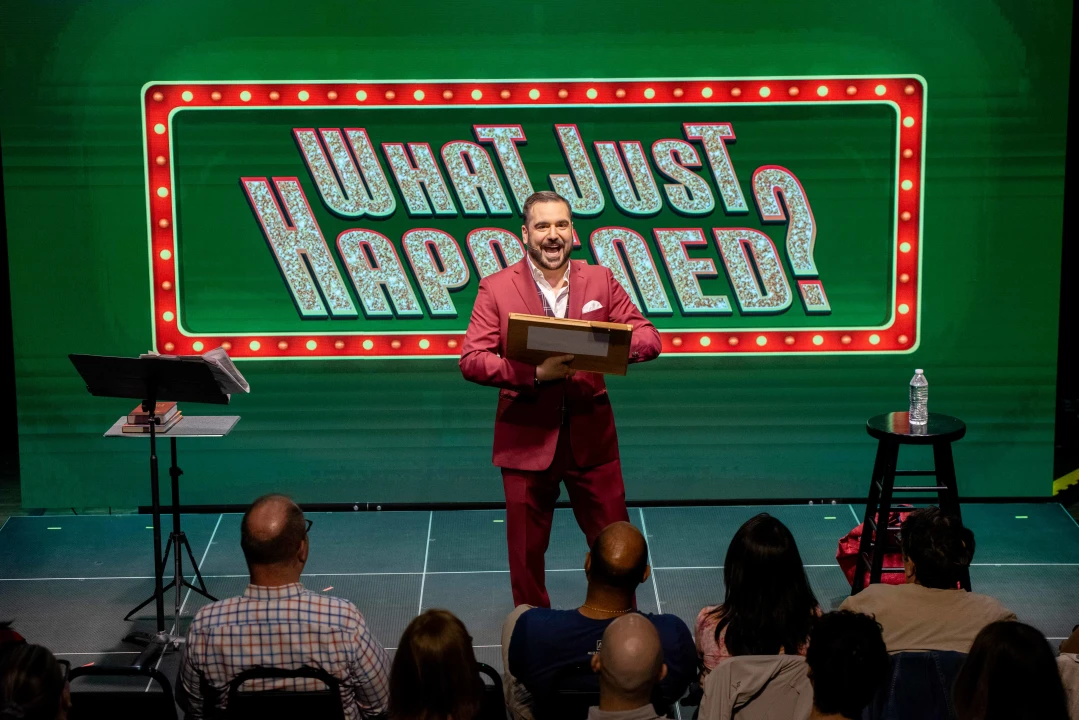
285,627
554,305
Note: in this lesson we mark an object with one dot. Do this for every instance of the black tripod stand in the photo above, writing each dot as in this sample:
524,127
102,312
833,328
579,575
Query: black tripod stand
177,540
151,379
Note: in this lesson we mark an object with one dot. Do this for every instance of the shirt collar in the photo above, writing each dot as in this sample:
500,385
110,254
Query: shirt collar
646,712
537,274
276,592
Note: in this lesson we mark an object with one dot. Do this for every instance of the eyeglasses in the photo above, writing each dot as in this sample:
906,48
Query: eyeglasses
309,524
65,669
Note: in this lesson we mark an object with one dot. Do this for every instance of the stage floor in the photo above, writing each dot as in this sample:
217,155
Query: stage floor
68,581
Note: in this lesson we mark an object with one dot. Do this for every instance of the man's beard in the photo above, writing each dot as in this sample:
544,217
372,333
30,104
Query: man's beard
539,257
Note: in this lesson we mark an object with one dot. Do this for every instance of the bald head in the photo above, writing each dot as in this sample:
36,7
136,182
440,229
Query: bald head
272,531
619,557
631,658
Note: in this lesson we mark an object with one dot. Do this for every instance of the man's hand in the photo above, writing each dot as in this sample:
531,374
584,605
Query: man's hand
555,368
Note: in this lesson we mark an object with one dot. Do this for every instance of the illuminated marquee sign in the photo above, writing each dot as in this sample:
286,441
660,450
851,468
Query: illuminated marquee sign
353,220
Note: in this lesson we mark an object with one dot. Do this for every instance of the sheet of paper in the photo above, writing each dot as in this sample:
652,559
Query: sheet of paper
574,342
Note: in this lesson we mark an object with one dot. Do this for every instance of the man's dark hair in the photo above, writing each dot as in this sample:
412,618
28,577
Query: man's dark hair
847,661
604,572
938,545
281,547
543,196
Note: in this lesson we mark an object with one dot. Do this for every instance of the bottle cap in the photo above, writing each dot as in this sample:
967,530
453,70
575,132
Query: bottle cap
918,372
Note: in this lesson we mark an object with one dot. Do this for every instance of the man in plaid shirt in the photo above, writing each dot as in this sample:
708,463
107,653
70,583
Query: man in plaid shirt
278,623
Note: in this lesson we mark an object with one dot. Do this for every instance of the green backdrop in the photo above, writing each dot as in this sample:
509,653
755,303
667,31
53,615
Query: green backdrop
412,430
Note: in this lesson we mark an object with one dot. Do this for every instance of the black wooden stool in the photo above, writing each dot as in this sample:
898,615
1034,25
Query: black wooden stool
892,430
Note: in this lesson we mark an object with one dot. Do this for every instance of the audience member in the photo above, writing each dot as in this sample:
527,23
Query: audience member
758,687
1070,644
768,606
1068,665
1010,674
848,662
278,623
539,642
434,674
33,684
629,663
930,612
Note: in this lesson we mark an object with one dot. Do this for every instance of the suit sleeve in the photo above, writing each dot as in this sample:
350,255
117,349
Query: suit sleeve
645,344
480,361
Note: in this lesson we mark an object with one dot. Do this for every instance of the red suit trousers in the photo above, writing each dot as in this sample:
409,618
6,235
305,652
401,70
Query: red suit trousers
596,493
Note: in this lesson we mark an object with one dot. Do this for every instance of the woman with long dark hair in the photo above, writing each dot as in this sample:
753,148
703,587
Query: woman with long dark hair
33,684
1010,674
768,607
434,674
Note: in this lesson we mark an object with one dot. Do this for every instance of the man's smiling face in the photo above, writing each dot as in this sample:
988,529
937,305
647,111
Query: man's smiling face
548,234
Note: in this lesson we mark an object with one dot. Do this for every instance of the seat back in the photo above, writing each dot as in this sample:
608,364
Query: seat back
493,703
133,704
572,690
920,687
282,704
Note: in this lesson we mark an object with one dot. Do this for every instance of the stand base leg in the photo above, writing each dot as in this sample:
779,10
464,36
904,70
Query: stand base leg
176,540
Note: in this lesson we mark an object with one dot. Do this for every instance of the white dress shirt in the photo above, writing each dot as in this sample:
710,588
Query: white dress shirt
559,302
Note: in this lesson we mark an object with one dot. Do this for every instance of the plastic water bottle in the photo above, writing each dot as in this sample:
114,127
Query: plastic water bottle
919,399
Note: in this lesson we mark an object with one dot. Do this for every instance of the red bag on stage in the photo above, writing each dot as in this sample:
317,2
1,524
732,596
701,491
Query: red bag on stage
847,554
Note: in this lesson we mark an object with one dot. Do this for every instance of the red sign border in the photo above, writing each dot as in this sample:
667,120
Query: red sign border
905,92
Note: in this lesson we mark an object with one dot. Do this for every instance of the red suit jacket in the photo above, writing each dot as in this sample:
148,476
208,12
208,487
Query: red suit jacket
528,419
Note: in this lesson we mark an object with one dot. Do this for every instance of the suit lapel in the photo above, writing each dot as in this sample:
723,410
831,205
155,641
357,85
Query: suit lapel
526,285
576,290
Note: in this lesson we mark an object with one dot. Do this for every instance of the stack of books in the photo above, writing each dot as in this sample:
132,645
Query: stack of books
166,414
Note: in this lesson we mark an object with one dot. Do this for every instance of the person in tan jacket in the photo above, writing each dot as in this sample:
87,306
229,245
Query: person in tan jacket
1068,666
930,612
845,663
758,687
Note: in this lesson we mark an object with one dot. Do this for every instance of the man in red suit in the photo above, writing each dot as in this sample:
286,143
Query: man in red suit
552,423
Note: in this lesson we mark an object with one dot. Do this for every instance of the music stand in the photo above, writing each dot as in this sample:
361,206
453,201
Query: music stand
153,380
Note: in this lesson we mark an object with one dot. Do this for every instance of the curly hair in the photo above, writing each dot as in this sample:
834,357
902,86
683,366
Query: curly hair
938,544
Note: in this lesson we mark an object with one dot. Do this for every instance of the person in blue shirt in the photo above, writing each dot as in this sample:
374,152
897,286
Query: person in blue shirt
538,643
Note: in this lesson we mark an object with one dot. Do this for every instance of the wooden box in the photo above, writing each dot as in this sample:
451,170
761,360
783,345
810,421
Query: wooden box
601,347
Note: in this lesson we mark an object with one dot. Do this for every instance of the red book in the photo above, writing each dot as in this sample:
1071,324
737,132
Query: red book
163,411
145,427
